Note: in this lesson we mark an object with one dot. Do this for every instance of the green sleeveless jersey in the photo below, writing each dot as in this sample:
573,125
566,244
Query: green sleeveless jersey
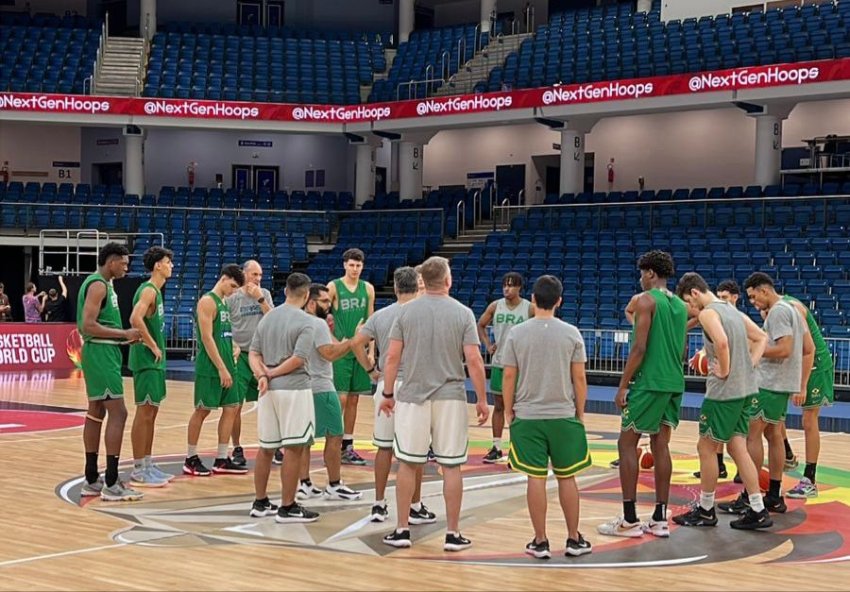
823,359
663,364
350,309
223,337
109,315
141,358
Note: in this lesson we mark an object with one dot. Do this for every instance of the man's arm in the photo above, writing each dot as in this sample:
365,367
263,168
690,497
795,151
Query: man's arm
509,376
289,365
475,366
808,352
712,326
143,309
579,378
335,351
630,308
95,296
643,308
258,369
332,294
757,340
483,323
64,287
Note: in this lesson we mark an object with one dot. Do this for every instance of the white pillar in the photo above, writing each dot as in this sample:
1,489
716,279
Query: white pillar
488,7
768,150
410,170
147,19
644,5
134,167
405,20
364,174
394,160
572,162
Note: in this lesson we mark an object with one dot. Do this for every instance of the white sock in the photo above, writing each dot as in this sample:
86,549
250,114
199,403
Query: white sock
348,437
148,461
757,502
706,500
222,451
417,506
138,465
192,451
381,502
497,442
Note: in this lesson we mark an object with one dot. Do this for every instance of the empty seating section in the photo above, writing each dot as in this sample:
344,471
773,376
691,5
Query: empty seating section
229,62
444,50
614,42
47,54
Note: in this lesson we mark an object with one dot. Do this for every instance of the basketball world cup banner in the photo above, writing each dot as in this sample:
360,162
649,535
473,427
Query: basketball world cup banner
39,346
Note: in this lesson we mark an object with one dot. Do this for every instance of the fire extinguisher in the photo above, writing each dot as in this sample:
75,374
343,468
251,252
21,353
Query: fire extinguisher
190,170
4,172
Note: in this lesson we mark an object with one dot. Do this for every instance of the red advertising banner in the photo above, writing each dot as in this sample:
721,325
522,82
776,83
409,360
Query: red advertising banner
801,73
39,346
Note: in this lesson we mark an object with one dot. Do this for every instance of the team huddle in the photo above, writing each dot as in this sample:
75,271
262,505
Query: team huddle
306,362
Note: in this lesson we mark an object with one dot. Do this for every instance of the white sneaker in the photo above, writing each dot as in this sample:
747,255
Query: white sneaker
341,492
306,492
620,528
658,528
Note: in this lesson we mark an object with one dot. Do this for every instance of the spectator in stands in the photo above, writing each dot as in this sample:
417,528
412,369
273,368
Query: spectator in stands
33,304
56,307
5,306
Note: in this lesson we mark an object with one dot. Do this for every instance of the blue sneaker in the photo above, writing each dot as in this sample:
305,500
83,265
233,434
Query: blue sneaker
159,473
144,478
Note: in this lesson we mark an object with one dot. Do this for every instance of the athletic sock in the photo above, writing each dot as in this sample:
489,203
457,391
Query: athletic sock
148,461
192,451
757,502
334,483
788,452
774,489
222,451
381,502
307,482
111,470
138,465
417,507
719,459
660,511
497,443
347,440
810,471
706,500
91,467
629,512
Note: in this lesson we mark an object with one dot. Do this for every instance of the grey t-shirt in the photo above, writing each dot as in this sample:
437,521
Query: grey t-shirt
245,315
542,351
378,327
321,371
284,332
783,375
742,380
434,330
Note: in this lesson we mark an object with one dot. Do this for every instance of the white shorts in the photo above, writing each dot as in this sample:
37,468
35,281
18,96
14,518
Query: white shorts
440,424
384,429
286,418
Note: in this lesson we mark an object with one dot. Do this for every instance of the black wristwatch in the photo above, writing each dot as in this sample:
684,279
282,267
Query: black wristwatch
387,395
261,299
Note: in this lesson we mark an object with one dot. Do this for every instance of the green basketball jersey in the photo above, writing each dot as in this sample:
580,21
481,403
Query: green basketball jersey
663,368
141,357
223,337
823,359
350,309
109,315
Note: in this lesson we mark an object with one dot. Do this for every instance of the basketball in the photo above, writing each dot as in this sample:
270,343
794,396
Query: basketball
646,460
699,363
764,480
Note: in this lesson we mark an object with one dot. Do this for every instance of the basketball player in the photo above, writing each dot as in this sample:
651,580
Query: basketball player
325,400
377,328
782,374
214,369
655,379
147,361
247,306
545,391
430,338
99,324
353,301
285,414
820,391
734,346
504,313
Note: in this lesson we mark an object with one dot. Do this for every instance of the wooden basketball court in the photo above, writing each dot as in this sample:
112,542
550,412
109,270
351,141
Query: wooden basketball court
196,534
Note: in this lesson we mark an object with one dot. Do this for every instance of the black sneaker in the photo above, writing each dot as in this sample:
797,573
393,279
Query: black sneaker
226,465
697,517
722,473
614,464
379,513
295,513
263,508
493,455
775,504
738,479
422,516
278,457
239,456
398,538
456,542
739,506
578,547
538,550
753,520
193,466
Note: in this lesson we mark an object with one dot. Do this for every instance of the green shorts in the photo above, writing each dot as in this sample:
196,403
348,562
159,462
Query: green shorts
820,391
149,386
536,442
350,378
328,414
209,394
647,411
721,420
243,381
101,364
770,406
496,379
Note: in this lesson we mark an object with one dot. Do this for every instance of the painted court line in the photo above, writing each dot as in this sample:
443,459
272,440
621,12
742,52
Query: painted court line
62,554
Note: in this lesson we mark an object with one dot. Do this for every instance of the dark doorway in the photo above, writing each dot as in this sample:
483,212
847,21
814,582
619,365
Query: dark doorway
249,12
510,181
241,178
265,178
553,176
380,180
275,11
108,173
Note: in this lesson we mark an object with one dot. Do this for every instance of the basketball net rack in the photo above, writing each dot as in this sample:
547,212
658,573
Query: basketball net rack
79,248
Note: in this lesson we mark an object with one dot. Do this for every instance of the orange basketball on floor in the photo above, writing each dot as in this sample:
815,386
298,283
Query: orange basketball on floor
764,479
646,461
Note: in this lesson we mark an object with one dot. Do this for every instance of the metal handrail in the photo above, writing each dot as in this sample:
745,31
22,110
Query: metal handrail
520,198
429,81
460,211
445,57
476,45
506,204
476,204
90,81
461,50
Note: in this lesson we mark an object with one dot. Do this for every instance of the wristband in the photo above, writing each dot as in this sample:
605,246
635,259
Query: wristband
387,395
